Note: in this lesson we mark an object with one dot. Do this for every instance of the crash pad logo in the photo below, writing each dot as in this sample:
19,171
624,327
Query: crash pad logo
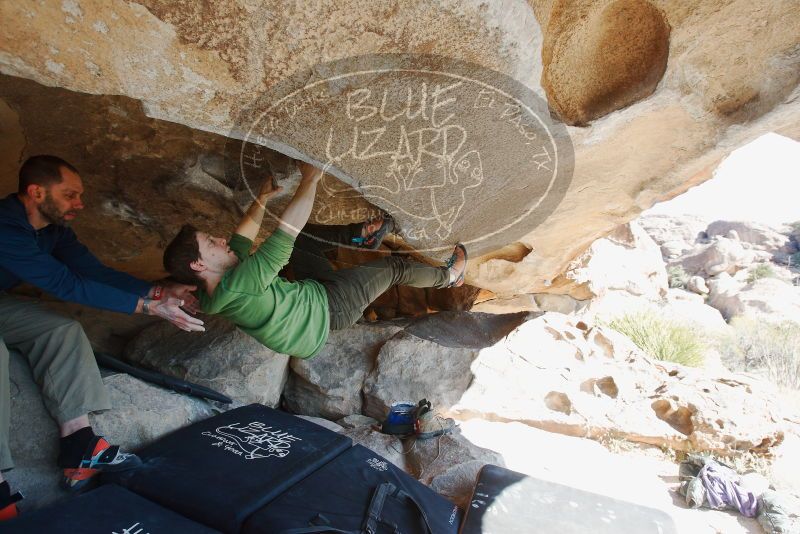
253,440
377,465
133,529
454,151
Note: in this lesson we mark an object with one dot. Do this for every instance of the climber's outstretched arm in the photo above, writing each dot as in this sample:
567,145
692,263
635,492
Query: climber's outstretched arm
296,214
251,222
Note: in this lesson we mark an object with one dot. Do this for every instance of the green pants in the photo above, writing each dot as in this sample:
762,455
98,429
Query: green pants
350,291
60,357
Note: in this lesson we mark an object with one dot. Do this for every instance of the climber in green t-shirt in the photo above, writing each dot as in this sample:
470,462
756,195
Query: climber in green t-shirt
295,317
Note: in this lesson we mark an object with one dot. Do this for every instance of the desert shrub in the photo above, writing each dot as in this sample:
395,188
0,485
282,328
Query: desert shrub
794,260
677,276
660,338
764,347
762,270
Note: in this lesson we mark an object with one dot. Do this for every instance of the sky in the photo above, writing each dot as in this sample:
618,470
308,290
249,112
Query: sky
757,182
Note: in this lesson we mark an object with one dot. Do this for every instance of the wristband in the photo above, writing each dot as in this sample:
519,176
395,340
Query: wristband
157,291
146,306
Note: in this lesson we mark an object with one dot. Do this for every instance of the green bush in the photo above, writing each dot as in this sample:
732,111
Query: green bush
794,260
677,276
763,347
762,270
662,339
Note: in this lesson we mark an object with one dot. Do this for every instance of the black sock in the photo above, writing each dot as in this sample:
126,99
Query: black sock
5,491
74,446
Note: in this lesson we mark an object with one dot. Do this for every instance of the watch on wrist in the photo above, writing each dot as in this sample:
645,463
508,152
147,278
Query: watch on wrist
146,305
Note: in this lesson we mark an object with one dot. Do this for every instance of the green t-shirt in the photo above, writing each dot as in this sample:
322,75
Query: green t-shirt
288,317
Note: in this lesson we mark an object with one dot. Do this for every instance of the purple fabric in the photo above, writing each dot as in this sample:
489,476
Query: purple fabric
723,489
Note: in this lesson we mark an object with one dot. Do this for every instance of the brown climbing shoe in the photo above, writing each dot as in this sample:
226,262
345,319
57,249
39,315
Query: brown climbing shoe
457,273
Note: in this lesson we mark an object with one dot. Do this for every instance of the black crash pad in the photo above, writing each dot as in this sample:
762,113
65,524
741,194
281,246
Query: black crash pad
221,470
339,494
106,510
507,502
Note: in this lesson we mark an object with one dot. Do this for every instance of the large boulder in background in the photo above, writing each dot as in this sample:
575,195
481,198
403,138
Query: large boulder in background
140,414
626,260
768,299
722,255
329,384
569,377
759,236
222,358
697,284
674,234
683,307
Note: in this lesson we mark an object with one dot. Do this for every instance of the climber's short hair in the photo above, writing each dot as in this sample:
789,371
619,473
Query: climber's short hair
180,253
43,170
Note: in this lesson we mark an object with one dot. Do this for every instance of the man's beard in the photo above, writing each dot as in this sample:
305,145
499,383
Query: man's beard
50,211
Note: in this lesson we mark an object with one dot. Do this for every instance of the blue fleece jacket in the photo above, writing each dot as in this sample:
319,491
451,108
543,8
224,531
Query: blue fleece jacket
53,260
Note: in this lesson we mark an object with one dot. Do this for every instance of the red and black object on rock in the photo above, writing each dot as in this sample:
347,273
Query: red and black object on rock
8,502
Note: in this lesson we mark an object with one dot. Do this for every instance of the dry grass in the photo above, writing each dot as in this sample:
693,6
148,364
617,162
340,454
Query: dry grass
762,270
677,277
662,339
760,347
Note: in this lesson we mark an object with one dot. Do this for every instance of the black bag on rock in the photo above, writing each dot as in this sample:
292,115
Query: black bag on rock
357,492
221,470
103,511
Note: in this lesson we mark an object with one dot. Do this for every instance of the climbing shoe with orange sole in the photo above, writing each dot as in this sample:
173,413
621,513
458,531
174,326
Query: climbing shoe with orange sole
100,457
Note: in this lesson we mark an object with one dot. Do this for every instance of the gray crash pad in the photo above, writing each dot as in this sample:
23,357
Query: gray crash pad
507,502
